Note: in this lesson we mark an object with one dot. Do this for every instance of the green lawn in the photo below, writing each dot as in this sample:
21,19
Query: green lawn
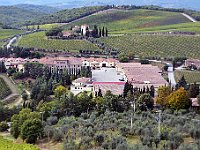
39,40
156,45
43,26
190,76
10,145
7,33
122,21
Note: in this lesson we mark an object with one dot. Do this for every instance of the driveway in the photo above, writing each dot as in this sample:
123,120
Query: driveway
171,76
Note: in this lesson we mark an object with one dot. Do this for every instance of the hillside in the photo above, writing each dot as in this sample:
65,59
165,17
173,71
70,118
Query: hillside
68,15
38,8
7,33
10,15
188,4
167,46
38,40
125,20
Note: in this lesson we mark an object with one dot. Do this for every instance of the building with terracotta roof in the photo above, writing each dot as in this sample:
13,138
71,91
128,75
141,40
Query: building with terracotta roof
141,75
16,62
74,65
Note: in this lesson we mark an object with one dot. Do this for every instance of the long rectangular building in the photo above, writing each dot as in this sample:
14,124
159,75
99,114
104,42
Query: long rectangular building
141,75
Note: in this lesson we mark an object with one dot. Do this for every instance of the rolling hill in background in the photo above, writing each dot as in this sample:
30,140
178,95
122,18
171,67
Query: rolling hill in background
18,14
188,4
38,8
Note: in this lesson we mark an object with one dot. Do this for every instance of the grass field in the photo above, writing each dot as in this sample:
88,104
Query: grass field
39,40
7,33
5,90
126,20
155,45
190,76
10,145
43,26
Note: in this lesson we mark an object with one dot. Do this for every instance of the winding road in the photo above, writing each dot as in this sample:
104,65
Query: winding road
189,17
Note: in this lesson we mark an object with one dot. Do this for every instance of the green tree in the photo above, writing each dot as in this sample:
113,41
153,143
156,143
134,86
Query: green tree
103,32
31,130
123,57
18,120
193,90
179,99
127,87
145,100
182,83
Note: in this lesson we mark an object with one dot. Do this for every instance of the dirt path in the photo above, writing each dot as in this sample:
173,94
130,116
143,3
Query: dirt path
12,86
189,17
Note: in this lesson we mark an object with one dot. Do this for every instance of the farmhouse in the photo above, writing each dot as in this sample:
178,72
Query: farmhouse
17,63
192,62
81,84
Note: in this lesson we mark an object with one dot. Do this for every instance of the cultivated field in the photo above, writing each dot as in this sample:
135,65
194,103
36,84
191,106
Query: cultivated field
156,45
125,20
4,89
190,76
7,33
9,145
183,27
43,26
39,40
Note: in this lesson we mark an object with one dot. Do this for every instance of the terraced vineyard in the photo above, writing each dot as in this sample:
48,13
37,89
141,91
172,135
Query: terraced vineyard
183,27
155,45
190,76
4,89
9,145
39,40
7,33
124,20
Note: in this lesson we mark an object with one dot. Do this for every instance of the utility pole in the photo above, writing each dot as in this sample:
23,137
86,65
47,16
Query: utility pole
42,113
132,106
159,122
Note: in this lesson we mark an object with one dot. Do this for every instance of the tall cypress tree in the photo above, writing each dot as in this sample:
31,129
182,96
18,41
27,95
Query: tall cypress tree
103,32
100,33
106,32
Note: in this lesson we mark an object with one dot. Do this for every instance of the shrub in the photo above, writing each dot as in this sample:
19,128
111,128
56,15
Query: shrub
4,127
58,135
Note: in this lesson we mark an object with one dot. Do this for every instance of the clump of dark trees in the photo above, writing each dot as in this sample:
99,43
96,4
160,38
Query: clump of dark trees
20,52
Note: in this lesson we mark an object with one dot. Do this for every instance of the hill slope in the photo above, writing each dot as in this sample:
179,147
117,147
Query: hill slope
38,8
10,15
68,15
125,20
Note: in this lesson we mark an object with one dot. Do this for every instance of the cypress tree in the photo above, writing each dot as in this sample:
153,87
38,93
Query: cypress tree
106,32
103,32
152,91
100,33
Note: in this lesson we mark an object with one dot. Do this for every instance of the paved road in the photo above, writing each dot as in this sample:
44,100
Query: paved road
171,76
189,17
12,86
